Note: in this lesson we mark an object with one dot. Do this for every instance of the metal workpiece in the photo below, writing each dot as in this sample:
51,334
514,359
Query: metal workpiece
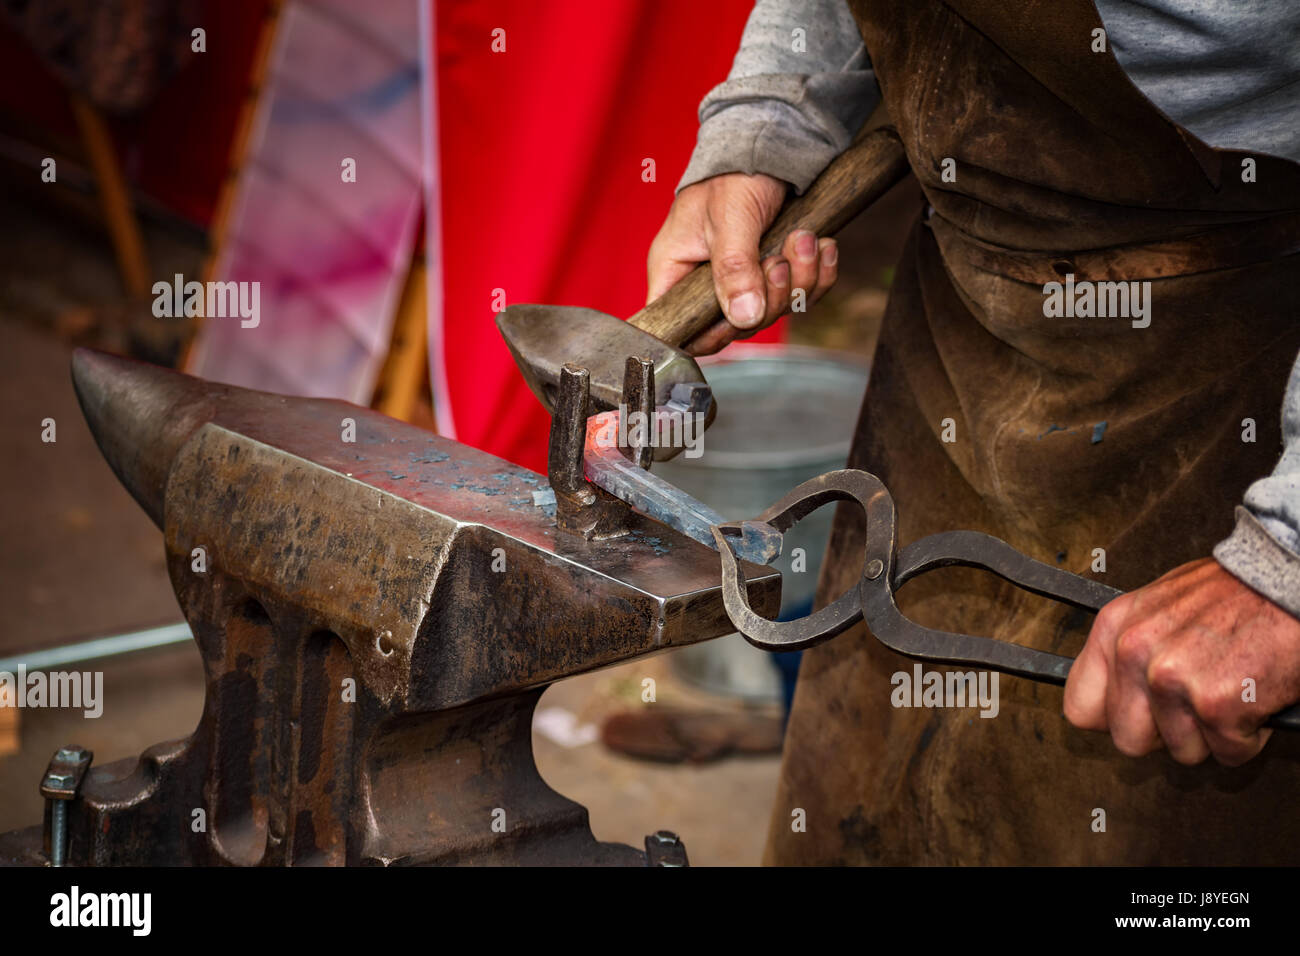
606,467
378,610
609,469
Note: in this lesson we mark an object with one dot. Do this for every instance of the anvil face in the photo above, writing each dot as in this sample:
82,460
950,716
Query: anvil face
468,585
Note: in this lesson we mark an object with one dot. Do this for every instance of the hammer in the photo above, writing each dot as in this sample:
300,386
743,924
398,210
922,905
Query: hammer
542,338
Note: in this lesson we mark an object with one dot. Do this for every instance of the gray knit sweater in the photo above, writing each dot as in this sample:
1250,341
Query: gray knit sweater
1227,70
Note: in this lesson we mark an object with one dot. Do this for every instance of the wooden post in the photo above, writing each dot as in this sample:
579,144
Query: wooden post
400,378
114,199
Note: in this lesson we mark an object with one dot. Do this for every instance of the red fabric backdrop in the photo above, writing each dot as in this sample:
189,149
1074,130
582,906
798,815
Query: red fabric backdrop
539,162
541,150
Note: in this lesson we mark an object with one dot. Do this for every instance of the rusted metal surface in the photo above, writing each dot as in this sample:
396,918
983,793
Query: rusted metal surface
65,773
377,618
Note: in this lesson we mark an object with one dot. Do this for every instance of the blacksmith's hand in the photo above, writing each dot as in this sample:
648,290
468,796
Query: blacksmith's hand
721,220
1195,661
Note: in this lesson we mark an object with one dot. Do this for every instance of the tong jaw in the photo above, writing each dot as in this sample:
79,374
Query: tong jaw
847,484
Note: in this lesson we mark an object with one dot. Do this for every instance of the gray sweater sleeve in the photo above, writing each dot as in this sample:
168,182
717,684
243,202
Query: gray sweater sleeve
799,89
1264,549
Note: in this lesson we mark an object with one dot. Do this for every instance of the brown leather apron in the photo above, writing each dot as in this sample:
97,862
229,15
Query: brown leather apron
1071,434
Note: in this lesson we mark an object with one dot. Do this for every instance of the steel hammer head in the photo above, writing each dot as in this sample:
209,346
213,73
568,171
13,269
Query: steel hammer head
542,338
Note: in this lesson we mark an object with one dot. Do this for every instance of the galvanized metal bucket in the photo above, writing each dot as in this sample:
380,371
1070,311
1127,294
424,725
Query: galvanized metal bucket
785,414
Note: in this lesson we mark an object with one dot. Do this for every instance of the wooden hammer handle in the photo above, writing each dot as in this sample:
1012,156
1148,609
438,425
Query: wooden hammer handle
855,179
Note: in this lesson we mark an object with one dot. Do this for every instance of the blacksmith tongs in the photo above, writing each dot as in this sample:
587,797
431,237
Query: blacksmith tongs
885,570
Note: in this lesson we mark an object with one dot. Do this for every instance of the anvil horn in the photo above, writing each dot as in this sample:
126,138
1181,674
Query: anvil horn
141,415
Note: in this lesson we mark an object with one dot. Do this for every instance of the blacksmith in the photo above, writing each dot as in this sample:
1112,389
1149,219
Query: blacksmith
1055,141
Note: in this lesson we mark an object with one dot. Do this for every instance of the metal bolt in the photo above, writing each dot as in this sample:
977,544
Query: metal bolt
874,568
665,849
58,832
59,786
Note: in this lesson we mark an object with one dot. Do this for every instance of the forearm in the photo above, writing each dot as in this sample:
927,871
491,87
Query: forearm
1264,549
792,102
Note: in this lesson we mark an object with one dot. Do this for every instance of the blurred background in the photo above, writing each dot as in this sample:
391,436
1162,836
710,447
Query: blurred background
392,174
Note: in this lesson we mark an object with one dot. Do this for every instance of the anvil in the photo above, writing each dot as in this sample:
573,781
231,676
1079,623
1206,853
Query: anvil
378,610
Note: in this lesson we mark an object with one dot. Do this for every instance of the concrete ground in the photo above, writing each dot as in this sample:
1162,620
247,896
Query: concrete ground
78,558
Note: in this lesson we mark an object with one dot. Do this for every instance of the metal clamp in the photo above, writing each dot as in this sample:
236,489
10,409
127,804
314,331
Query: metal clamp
59,786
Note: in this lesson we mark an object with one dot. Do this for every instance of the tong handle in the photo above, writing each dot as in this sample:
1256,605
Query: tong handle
975,549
